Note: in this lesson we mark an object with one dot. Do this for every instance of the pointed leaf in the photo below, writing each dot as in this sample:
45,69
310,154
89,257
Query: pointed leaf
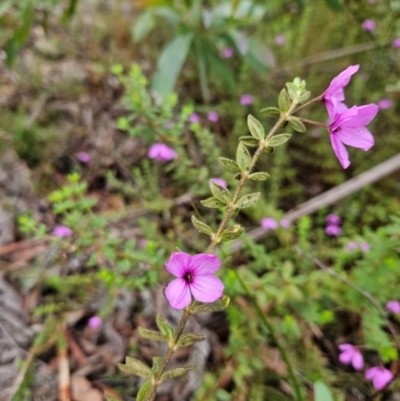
322,392
220,192
170,64
202,227
189,339
247,200
141,395
135,367
297,124
284,101
231,233
279,139
271,111
243,157
259,56
152,334
255,127
240,40
229,164
219,67
212,203
260,176
164,326
208,308
249,141
144,24
172,373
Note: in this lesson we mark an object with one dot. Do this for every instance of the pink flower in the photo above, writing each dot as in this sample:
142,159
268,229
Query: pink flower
385,104
220,181
334,95
393,306
332,219
380,377
396,43
351,246
348,128
280,40
268,223
285,223
333,230
83,157
227,52
194,118
62,231
246,100
369,25
95,322
169,124
351,355
142,242
364,246
161,152
195,277
213,116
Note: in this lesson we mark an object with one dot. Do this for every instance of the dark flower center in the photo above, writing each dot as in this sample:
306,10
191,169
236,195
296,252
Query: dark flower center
188,277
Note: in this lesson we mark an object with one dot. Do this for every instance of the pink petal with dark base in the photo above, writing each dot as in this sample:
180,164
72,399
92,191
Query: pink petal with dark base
206,288
204,263
359,138
178,293
178,264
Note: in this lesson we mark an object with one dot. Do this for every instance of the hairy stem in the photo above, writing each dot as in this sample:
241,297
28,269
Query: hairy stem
312,122
271,331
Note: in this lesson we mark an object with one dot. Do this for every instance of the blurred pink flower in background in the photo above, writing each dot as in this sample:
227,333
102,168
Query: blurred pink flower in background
62,231
227,52
169,124
194,118
220,181
369,25
371,1
333,219
280,39
213,116
333,230
285,223
351,355
393,306
380,377
385,104
396,43
161,152
268,223
246,100
95,322
83,157
142,242
364,246
351,246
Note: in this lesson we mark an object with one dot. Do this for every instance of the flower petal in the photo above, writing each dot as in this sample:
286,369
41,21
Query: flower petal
359,138
382,378
345,346
178,264
357,361
371,372
365,114
204,263
178,293
206,288
342,79
340,151
346,356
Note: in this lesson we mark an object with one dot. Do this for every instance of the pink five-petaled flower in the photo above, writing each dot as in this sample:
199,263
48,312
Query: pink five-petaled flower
332,219
268,223
246,100
161,152
213,116
380,377
194,118
95,322
195,277
83,157
393,306
351,355
62,231
348,128
220,181
396,43
369,25
333,230
334,95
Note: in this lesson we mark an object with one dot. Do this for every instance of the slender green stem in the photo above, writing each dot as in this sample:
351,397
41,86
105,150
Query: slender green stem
312,122
316,99
270,329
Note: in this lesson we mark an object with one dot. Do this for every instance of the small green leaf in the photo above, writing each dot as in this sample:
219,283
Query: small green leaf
268,149
255,127
260,176
143,26
152,335
229,164
207,308
322,392
279,139
249,141
284,101
304,96
143,390
157,362
212,203
109,398
220,192
164,326
202,227
247,200
135,367
243,157
172,373
297,124
271,111
231,233
189,339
